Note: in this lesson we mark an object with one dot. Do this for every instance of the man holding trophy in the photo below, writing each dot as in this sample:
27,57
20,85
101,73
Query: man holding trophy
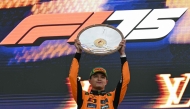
97,98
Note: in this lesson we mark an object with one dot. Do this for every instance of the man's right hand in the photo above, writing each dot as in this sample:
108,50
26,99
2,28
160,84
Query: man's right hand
123,46
77,44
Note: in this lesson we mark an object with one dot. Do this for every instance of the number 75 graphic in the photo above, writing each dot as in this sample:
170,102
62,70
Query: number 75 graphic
134,24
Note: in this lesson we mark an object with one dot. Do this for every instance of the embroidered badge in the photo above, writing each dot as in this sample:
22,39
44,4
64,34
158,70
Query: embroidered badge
86,93
92,100
103,102
105,106
108,94
90,105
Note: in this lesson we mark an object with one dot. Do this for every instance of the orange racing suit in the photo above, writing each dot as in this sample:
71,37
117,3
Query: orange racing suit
98,99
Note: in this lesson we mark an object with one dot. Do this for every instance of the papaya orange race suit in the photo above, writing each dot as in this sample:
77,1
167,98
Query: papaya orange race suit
98,99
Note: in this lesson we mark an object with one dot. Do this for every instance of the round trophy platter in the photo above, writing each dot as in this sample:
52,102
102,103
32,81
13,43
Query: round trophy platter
100,39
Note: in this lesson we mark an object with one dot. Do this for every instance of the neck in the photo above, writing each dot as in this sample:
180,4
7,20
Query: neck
98,89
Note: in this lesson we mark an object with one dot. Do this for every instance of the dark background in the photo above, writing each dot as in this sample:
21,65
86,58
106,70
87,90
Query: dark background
42,84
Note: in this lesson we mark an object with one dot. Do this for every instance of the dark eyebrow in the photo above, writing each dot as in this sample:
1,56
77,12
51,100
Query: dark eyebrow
103,75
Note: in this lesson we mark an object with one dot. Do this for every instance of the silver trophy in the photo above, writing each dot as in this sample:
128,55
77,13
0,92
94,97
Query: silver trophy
100,39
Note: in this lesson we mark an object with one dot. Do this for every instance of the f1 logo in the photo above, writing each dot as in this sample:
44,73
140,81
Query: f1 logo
173,88
135,25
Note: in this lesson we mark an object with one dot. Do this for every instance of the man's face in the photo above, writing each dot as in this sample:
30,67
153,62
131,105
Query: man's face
98,81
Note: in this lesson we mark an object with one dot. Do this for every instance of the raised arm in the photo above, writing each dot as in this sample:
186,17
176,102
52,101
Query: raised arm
121,88
76,87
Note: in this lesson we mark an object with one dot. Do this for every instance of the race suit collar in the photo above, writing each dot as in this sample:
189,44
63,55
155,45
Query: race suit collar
94,92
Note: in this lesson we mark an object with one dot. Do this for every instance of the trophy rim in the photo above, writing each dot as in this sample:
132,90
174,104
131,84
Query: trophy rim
95,25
